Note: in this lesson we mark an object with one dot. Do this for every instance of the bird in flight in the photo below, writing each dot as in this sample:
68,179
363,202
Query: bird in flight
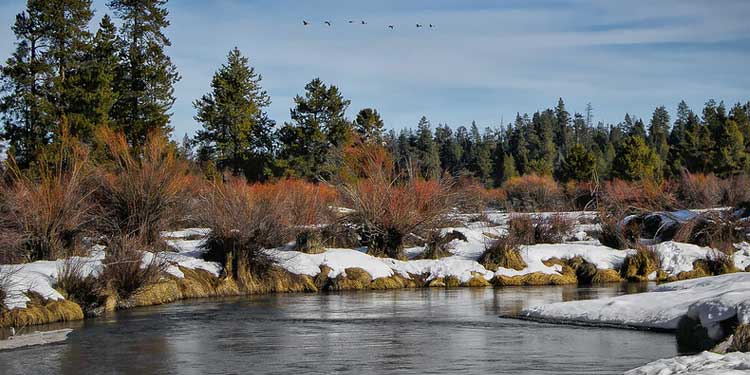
350,21
327,23
431,25
305,23
391,27
418,25
364,23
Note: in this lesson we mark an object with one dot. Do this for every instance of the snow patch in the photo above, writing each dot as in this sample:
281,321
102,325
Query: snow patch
705,363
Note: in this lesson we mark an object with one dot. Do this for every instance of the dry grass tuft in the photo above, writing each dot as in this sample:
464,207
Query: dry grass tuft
124,270
719,230
503,253
437,244
552,229
741,339
637,267
75,284
41,311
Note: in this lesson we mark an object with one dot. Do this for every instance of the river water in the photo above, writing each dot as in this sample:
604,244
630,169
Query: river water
436,331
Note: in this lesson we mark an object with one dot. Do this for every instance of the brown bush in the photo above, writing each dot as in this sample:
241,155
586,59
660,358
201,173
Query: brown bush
717,263
144,191
437,242
124,270
736,192
474,197
638,196
533,192
45,210
243,222
716,229
552,229
387,206
698,190
76,285
528,230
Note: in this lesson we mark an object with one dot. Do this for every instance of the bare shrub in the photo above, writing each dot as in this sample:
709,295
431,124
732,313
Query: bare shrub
125,271
553,228
581,195
243,223
533,192
612,233
437,242
637,196
45,210
388,206
736,192
716,229
142,191
6,282
76,283
698,190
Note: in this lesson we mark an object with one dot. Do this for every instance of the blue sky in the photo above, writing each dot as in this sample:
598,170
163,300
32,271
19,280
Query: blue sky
484,61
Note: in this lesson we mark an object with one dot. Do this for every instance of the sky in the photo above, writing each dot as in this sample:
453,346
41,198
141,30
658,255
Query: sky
483,61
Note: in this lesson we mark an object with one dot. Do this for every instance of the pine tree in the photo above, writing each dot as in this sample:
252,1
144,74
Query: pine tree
369,126
236,134
730,157
658,133
146,75
449,150
26,105
508,169
311,144
635,160
427,151
91,101
562,129
579,165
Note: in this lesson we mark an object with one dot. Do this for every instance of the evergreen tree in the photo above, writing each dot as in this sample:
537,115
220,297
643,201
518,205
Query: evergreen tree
658,133
449,150
369,126
93,96
26,103
562,129
312,142
427,151
541,143
508,168
579,164
146,75
730,157
236,134
635,160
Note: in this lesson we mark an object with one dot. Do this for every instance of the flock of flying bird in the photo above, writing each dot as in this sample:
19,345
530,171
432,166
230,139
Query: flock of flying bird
392,27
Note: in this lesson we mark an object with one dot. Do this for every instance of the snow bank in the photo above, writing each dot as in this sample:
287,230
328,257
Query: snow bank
709,300
602,257
41,276
679,257
705,363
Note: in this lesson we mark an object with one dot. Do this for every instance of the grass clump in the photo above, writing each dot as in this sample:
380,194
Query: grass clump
718,230
75,282
126,270
638,266
437,244
741,339
716,263
503,253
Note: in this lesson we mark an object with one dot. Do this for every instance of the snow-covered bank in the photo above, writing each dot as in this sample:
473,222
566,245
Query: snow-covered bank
709,300
705,363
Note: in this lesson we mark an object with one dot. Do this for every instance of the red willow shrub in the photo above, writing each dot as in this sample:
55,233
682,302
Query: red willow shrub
46,210
698,190
388,206
143,191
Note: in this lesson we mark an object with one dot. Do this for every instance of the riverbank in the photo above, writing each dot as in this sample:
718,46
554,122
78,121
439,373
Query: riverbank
34,298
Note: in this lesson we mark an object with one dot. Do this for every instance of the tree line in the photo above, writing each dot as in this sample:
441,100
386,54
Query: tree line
63,78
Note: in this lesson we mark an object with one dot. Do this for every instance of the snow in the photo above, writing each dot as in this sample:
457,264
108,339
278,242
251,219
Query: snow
41,276
742,256
336,259
679,257
602,257
189,232
709,300
705,363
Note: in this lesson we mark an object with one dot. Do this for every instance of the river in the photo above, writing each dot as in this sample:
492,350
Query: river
436,331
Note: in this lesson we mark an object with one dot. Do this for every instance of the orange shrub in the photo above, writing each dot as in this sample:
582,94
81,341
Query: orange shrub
46,210
736,191
637,196
305,203
533,192
142,192
387,207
